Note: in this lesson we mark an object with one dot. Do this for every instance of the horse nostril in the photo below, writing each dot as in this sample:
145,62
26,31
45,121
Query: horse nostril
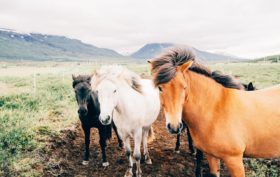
168,126
107,118
174,131
82,111
181,126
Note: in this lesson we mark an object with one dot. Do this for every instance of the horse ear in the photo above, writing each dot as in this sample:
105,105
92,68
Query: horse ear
90,76
150,61
74,77
186,66
251,86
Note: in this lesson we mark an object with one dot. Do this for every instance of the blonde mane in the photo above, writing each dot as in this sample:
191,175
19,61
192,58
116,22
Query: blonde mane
113,72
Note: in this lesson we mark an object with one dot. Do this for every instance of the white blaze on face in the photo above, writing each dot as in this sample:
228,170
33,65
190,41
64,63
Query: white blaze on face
173,121
107,96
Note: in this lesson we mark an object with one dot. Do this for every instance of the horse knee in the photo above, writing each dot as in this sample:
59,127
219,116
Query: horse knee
128,153
137,157
103,143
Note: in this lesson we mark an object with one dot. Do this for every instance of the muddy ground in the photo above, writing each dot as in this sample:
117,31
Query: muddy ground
65,154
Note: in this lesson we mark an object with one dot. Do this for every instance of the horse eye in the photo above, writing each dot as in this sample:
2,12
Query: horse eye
115,91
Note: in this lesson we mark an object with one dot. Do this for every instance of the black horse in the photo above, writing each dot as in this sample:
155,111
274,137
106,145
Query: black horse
249,87
199,154
89,111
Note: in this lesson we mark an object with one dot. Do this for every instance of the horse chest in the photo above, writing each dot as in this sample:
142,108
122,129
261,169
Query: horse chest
126,127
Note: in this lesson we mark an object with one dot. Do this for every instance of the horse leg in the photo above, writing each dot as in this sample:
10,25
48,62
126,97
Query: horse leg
127,146
178,143
103,145
137,152
199,158
118,136
87,142
214,165
235,166
147,158
190,141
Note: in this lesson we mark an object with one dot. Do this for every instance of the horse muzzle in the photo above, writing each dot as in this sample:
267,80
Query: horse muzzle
105,120
173,130
82,111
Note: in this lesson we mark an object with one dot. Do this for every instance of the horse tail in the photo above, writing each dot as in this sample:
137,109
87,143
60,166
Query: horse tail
109,131
151,135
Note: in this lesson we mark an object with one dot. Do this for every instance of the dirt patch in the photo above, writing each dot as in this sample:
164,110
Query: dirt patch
65,154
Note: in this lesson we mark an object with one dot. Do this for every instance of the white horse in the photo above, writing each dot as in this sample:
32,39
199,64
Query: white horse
134,105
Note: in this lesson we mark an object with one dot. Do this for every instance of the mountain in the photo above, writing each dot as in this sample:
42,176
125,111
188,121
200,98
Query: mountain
153,49
35,46
150,50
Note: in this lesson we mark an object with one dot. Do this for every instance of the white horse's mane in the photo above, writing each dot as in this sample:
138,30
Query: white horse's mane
118,72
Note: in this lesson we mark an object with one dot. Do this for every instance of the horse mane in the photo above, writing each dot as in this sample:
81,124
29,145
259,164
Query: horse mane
112,72
164,68
80,78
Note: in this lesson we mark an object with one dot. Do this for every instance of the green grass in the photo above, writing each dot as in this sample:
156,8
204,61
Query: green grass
262,75
29,117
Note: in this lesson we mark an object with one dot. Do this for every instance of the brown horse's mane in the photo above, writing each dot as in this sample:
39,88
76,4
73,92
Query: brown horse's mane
164,68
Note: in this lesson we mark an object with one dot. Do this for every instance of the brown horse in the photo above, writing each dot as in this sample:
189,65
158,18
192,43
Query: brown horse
225,123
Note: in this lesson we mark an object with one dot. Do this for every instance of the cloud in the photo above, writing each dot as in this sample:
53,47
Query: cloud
246,28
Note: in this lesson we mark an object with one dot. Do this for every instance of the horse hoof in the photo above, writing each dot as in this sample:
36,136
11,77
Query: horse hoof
178,152
149,161
105,164
128,173
85,162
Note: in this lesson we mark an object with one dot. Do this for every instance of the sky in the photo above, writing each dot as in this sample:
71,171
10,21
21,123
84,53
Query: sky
245,28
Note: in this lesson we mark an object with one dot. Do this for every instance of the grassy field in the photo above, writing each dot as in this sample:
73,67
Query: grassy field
37,102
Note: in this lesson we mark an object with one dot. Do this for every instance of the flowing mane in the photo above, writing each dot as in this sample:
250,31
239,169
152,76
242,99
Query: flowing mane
111,72
164,68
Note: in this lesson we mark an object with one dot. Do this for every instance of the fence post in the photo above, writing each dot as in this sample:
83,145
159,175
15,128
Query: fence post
34,83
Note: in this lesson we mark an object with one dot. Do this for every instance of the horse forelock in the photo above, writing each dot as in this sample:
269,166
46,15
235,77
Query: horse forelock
117,73
164,68
81,79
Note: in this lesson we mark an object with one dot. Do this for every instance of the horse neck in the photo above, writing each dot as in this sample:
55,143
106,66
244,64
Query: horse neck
204,97
92,108
126,101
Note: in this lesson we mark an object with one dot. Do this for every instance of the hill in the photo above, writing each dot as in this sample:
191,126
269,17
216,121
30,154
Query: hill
153,49
35,46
